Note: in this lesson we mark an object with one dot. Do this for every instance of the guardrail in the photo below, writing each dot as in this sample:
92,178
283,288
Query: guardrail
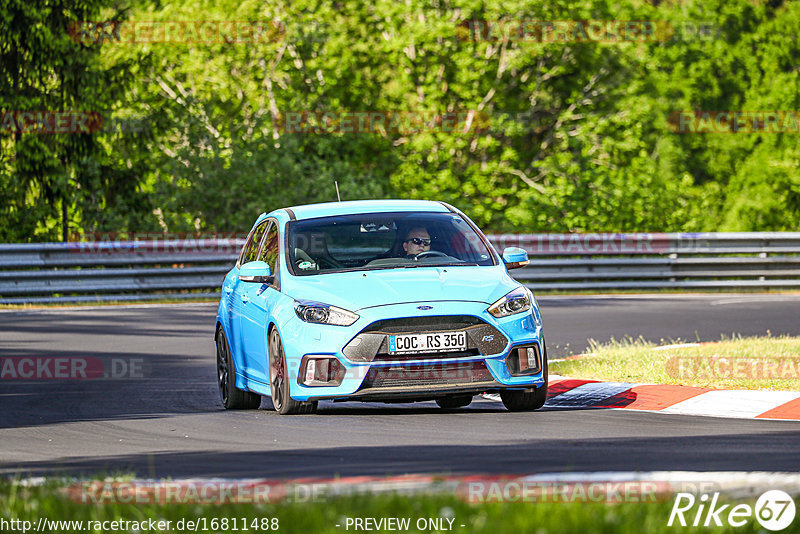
194,268
115,270
658,261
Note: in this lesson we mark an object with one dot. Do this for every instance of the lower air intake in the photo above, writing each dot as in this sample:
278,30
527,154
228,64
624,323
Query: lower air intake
427,375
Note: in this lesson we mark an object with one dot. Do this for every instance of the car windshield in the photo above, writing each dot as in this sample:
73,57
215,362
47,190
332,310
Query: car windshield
383,241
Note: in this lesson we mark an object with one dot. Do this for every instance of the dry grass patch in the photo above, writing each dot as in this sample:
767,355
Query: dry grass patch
765,362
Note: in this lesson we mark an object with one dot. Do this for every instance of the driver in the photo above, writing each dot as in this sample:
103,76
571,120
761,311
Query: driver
417,240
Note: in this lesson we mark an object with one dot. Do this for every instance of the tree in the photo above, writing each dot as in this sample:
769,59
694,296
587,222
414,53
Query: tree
51,82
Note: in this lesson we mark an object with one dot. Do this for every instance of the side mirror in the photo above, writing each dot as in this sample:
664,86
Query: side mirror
256,271
515,257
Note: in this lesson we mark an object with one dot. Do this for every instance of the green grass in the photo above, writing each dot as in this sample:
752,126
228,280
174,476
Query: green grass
766,362
29,504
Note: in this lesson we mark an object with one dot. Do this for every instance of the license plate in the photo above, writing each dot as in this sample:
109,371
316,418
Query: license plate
434,342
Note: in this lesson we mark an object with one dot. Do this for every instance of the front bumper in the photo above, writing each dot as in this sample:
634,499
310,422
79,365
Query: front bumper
371,373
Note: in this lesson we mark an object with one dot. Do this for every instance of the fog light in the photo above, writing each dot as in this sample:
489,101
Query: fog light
528,359
321,371
524,360
311,370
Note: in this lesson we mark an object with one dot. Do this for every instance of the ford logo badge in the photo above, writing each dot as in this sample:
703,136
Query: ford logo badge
424,307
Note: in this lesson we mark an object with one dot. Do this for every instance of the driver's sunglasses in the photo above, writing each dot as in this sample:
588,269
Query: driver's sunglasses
420,242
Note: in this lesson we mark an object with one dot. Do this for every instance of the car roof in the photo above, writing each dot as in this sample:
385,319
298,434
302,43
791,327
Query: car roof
350,207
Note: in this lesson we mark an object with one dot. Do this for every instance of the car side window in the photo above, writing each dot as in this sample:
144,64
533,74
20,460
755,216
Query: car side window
250,251
269,251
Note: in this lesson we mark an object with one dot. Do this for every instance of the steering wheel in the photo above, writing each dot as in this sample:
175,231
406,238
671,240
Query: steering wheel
429,253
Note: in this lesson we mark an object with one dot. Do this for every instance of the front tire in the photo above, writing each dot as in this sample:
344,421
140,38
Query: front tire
279,380
523,401
233,398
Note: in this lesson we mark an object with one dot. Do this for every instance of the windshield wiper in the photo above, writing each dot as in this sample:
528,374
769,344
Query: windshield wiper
414,265
380,267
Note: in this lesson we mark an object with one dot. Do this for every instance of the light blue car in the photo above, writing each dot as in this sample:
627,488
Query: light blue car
379,301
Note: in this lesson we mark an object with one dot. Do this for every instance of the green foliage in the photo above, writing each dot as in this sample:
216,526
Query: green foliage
52,183
565,137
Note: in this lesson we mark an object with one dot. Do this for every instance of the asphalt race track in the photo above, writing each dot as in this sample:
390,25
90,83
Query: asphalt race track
167,420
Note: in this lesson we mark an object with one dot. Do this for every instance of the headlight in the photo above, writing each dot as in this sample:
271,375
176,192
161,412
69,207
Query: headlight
516,301
317,312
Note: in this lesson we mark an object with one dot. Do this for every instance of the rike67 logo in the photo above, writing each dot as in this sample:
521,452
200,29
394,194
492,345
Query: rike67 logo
774,510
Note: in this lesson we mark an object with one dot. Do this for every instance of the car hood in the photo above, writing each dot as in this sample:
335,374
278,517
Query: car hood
363,289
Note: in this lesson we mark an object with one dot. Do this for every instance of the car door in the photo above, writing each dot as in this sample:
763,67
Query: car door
239,296
261,298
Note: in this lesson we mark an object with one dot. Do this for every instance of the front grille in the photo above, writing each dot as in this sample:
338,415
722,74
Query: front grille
427,375
435,323
371,343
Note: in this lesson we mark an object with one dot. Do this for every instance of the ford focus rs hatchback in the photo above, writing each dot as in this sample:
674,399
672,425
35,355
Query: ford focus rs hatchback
379,301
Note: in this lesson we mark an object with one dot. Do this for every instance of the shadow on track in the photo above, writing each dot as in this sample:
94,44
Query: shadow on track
731,452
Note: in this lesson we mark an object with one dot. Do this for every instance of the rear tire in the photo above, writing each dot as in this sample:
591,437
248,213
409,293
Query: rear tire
454,401
523,401
279,380
233,398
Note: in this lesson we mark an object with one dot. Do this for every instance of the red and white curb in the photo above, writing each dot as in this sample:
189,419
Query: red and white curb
672,399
